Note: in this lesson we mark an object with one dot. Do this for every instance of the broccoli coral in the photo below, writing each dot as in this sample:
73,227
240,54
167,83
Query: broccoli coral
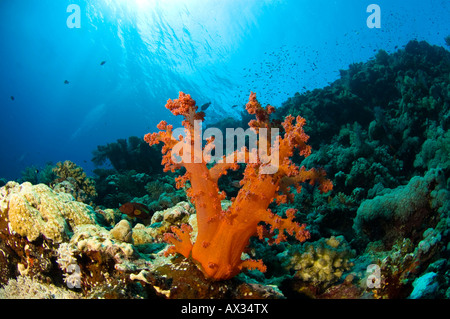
223,234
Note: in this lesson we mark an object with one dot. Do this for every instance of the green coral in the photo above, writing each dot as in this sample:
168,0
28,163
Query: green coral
161,195
37,175
131,154
435,151
400,212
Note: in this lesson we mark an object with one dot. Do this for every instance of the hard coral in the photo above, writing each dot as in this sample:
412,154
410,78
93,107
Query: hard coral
223,234
84,187
36,210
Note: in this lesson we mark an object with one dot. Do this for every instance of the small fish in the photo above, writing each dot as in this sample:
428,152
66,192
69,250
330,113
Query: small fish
205,106
234,106
136,210
66,82
102,63
236,184
12,98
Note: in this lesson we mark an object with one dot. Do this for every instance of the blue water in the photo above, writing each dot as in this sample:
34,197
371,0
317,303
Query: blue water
215,50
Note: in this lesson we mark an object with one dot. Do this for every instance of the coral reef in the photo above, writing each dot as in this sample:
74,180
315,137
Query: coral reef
381,132
96,254
395,100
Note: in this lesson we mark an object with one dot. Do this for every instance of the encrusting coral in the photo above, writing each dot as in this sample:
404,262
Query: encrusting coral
35,210
223,234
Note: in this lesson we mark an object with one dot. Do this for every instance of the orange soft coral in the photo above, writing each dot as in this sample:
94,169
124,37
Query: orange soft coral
224,234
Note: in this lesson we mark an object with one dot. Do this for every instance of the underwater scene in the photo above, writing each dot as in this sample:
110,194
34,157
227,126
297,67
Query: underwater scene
226,150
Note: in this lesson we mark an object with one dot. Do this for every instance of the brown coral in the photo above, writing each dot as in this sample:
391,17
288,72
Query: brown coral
84,187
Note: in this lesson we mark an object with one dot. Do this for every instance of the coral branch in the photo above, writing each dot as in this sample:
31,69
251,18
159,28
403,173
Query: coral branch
253,264
181,241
